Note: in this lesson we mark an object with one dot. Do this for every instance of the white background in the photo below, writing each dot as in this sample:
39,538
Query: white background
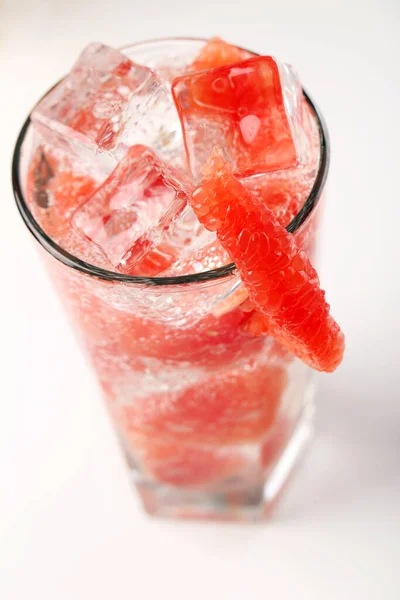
70,528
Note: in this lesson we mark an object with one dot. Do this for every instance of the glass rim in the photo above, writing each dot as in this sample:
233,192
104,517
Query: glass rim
82,266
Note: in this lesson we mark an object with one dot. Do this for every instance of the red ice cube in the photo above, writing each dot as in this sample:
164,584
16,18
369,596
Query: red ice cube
241,108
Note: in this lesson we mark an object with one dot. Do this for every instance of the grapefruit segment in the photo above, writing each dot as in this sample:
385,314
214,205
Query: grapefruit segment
217,53
281,282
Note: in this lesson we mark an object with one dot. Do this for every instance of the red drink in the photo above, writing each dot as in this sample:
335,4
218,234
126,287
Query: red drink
211,417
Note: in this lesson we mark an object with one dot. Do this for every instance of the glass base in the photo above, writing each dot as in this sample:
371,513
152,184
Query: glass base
246,499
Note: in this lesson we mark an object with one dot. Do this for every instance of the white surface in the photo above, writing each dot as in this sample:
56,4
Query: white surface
69,526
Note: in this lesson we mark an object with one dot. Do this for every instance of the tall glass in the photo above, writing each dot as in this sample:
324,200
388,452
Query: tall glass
212,421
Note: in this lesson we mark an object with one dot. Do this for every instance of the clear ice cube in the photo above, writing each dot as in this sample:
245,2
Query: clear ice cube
251,109
106,104
130,212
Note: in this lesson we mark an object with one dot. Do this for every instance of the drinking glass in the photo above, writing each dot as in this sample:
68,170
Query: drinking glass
211,420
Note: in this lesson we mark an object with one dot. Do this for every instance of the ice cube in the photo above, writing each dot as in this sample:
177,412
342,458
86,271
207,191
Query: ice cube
251,109
129,213
105,105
